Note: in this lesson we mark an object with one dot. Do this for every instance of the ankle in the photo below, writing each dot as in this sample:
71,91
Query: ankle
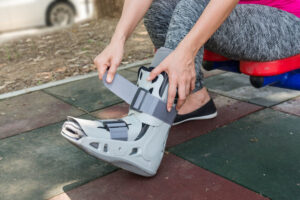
195,101
201,96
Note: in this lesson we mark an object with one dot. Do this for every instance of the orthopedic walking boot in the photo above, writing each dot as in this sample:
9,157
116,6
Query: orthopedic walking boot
136,142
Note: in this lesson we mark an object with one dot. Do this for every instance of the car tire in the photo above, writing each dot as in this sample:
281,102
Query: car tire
60,13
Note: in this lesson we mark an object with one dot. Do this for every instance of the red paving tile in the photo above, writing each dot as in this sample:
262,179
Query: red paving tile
177,180
31,111
229,110
112,112
292,106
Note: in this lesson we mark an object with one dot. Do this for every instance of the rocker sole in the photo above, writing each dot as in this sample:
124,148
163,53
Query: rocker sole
114,160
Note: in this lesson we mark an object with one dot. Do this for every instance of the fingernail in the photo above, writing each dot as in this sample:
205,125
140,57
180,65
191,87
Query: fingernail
108,79
169,109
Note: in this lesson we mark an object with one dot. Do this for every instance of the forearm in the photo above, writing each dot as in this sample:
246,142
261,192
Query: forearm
133,12
211,19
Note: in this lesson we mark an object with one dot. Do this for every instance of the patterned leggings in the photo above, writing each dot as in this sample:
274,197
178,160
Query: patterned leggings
251,32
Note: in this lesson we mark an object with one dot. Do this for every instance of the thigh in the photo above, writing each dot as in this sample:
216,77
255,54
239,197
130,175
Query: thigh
184,17
157,20
259,33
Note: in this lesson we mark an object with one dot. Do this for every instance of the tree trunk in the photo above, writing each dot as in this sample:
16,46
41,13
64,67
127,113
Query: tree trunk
108,8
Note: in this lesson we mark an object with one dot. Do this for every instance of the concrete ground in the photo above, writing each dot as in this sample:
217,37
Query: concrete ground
250,151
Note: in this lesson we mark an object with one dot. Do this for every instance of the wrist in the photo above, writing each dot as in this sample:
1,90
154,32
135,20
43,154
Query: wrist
118,38
189,46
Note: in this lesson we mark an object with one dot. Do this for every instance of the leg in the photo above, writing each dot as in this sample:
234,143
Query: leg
157,20
252,32
185,15
259,33
172,20
132,142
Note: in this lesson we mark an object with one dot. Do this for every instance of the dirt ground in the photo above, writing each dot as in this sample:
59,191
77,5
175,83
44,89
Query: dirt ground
35,60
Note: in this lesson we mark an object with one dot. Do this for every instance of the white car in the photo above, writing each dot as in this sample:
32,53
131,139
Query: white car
19,14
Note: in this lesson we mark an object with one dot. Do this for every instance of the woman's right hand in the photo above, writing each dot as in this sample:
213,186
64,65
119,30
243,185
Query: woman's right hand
111,58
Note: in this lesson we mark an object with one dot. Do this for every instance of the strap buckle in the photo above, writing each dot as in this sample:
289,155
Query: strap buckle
144,102
118,129
114,124
138,99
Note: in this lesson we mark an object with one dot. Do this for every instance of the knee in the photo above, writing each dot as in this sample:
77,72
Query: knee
155,8
187,12
158,11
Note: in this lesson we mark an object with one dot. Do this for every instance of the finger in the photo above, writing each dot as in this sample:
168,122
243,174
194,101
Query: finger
182,95
111,72
171,95
155,72
101,66
102,70
187,88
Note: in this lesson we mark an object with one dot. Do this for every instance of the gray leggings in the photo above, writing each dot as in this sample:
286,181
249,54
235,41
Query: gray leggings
251,32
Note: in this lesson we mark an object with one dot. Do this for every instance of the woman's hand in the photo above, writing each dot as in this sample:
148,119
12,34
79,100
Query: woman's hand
111,58
180,67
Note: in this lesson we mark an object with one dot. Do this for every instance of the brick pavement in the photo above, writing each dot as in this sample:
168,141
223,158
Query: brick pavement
250,151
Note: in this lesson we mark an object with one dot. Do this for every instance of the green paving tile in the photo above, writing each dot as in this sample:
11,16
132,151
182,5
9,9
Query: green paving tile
136,69
41,164
238,86
260,152
133,69
89,94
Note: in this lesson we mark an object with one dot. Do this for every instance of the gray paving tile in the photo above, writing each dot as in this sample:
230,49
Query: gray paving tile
211,73
238,86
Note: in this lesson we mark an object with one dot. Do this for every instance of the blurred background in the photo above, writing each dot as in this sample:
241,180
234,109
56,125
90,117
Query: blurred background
47,40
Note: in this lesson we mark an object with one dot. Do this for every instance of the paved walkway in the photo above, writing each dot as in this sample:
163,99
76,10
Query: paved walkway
250,151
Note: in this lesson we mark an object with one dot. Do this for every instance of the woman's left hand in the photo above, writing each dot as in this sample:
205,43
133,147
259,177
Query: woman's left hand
180,67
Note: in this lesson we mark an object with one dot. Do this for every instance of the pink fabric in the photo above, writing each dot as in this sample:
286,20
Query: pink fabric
291,6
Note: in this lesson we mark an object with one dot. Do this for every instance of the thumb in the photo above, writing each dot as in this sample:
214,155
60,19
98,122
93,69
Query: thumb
155,72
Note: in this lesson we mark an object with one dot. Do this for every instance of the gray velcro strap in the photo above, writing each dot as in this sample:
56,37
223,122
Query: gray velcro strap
118,129
140,99
121,87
